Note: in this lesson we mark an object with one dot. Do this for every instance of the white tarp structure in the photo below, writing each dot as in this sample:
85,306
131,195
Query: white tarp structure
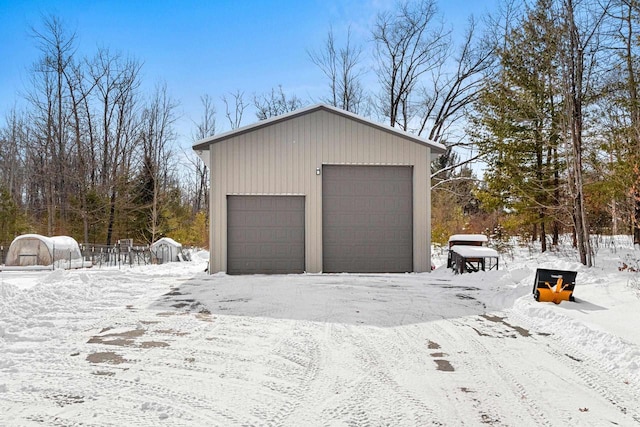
33,251
166,250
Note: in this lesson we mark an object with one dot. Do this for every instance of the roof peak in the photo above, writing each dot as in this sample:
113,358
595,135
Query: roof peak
203,144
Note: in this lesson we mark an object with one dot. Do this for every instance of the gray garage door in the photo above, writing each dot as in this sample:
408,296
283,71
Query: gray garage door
367,219
265,234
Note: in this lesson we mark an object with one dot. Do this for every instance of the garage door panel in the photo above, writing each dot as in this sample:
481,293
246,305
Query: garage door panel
291,218
378,220
367,215
265,234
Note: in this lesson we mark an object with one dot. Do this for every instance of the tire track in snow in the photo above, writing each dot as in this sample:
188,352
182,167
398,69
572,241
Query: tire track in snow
354,406
593,373
158,400
294,364
283,367
52,420
103,396
363,406
183,404
484,392
519,394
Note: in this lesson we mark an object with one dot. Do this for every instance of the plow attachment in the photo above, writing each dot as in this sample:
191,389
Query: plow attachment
554,285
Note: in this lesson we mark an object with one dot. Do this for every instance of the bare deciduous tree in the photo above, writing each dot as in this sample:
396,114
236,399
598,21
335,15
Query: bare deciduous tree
116,122
205,128
275,103
49,98
409,43
234,108
342,67
156,136
12,151
451,93
582,37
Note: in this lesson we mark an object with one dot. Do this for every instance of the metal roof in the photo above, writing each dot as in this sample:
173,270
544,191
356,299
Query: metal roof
203,144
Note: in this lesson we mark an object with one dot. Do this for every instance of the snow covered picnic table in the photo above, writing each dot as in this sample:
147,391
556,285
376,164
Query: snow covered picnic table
473,258
466,253
475,251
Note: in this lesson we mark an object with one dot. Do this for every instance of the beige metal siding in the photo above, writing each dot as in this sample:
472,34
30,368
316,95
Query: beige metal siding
282,159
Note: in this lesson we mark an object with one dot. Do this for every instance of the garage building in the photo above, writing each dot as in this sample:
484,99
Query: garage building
319,190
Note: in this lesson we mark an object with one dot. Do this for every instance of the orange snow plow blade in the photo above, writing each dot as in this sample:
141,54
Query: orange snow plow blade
554,285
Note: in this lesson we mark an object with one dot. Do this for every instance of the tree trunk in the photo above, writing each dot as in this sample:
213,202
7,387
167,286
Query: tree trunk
543,231
575,95
112,216
636,222
155,218
632,88
50,210
556,196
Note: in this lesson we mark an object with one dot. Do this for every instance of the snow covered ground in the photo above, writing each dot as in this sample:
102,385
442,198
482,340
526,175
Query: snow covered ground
171,345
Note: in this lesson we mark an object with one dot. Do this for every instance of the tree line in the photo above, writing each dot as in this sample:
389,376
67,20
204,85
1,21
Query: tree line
558,123
544,94
90,156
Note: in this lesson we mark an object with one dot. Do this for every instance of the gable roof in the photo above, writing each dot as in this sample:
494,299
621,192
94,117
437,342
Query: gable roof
203,144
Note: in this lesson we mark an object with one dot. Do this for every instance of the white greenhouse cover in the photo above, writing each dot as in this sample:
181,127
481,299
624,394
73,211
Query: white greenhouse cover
64,251
66,243
46,240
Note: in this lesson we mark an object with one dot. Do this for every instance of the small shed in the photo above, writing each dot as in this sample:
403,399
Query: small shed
166,250
467,253
35,250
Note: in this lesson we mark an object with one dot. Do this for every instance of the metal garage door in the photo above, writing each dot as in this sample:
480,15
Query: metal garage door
367,219
265,234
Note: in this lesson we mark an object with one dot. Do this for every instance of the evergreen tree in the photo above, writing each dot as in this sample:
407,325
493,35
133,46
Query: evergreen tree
516,126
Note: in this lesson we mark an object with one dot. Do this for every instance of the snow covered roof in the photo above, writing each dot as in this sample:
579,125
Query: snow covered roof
168,241
468,238
474,251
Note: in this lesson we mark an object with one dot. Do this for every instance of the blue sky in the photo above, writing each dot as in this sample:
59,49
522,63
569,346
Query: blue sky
202,47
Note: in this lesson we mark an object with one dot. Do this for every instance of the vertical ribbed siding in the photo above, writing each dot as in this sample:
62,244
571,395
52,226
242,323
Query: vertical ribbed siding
282,159
427,214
